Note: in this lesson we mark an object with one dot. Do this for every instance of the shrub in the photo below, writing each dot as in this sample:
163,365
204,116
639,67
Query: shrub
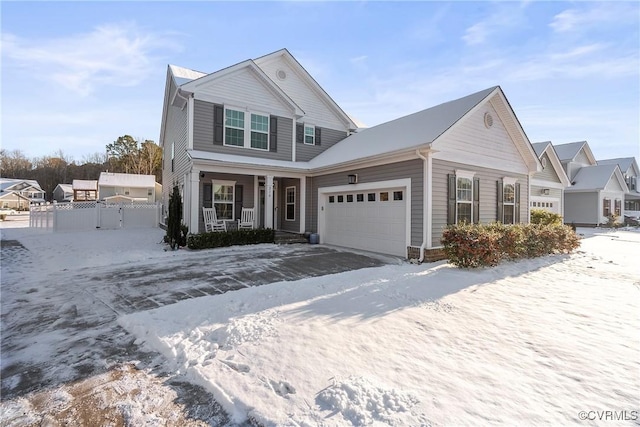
176,231
540,216
612,221
487,245
2,217
230,238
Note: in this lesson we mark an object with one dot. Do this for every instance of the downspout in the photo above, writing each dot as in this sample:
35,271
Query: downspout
425,197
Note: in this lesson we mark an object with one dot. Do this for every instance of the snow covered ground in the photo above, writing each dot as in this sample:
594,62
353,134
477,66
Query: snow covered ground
534,343
528,343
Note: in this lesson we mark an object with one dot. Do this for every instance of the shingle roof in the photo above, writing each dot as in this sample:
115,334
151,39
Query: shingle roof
568,151
539,147
8,182
593,177
403,133
624,162
110,179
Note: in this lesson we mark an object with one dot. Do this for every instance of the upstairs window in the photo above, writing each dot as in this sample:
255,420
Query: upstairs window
259,131
309,135
234,128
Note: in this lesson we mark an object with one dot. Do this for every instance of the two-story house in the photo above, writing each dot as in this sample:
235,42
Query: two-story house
263,134
20,193
597,190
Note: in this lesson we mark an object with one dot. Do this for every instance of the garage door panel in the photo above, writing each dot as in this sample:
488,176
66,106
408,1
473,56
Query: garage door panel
378,226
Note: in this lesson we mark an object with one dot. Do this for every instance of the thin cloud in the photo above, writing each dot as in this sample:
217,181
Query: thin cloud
110,55
506,18
580,20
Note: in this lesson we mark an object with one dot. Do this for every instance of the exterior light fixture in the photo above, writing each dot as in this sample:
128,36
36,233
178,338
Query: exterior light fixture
353,179
545,191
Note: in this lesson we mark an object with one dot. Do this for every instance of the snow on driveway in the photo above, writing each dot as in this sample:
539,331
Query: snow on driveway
550,341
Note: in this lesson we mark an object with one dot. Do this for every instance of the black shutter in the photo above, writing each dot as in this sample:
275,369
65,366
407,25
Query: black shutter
516,214
218,124
500,207
207,194
273,134
451,205
476,200
299,133
238,200
318,135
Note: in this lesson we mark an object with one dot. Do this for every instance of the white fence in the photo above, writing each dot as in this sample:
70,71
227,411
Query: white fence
78,216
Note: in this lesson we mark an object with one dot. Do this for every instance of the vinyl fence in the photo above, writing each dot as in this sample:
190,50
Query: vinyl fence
78,216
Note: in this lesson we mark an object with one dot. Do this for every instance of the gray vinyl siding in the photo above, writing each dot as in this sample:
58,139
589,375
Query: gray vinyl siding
581,208
328,137
203,136
247,189
408,169
488,194
176,132
285,225
548,173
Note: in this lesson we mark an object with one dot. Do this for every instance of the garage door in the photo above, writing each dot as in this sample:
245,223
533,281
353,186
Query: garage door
371,220
549,204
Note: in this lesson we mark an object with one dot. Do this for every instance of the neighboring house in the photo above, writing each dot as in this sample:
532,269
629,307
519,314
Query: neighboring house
630,171
63,193
263,134
548,185
19,193
596,191
123,187
85,190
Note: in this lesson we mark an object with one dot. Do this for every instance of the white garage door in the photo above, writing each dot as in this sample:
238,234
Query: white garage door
549,204
371,220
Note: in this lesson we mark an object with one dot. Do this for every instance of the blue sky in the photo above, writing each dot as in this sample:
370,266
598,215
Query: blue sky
76,75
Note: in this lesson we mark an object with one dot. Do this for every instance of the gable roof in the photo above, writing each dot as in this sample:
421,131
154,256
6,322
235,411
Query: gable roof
311,82
414,131
7,184
191,86
596,177
624,162
110,179
547,147
67,188
86,185
568,152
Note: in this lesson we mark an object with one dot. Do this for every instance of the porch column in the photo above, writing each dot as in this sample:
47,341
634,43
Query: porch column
256,200
193,222
303,204
268,203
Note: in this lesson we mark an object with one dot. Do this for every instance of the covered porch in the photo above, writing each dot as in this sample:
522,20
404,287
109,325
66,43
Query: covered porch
278,198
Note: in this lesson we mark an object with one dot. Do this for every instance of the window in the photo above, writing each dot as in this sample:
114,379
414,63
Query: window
234,128
360,197
340,199
290,200
331,199
618,207
173,152
397,195
384,197
606,207
259,131
371,197
309,135
464,200
149,192
509,201
127,191
349,198
223,197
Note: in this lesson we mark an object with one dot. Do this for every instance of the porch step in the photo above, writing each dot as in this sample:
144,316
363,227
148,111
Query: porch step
283,238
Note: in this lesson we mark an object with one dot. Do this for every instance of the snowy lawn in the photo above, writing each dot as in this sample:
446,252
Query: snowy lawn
528,343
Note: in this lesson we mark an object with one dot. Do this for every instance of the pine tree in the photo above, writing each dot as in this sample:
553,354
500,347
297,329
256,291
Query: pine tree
174,229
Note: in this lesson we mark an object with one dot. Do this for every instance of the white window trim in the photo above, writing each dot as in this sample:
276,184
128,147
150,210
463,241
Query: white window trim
460,173
247,128
304,133
465,174
287,203
215,182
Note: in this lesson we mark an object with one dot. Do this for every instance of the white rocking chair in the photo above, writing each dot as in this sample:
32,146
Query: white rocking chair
246,219
211,222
